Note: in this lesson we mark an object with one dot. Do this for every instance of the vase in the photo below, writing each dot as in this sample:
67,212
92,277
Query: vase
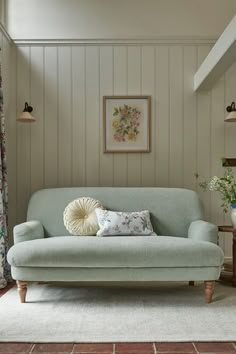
233,215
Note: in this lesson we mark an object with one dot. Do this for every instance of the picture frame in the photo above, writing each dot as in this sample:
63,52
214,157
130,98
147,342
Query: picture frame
126,124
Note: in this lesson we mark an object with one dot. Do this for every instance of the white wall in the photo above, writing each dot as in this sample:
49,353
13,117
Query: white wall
65,83
37,19
2,11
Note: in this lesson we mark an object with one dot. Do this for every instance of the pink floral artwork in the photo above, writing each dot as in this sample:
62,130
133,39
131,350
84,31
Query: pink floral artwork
126,123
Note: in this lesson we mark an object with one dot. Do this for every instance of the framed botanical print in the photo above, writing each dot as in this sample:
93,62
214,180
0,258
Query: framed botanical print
126,123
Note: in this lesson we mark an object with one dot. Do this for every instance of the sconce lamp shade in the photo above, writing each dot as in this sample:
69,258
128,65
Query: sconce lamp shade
26,116
231,117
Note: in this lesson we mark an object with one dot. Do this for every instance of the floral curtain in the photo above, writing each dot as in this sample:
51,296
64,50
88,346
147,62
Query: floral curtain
4,268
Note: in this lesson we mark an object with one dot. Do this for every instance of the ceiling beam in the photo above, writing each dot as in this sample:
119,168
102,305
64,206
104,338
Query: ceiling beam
219,59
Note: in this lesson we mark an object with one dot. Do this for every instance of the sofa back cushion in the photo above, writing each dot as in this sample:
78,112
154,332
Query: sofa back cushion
171,209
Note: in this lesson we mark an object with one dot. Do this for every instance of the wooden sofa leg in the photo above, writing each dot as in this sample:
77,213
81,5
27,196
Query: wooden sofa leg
191,283
22,290
209,289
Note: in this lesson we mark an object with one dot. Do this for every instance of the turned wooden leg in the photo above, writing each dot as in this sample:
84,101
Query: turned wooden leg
22,289
191,283
209,289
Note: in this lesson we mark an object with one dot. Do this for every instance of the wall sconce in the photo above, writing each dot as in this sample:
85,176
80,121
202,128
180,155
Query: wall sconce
26,116
231,117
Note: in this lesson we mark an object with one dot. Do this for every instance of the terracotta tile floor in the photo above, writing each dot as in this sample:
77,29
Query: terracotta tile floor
119,348
116,348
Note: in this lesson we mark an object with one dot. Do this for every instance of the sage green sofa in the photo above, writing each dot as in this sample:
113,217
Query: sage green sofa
184,250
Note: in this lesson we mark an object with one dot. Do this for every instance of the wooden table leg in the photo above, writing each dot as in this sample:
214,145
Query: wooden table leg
234,259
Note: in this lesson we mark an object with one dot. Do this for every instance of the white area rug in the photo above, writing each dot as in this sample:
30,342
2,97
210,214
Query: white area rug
168,312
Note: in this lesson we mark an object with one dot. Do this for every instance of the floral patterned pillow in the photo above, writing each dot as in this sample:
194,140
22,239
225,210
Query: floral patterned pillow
122,223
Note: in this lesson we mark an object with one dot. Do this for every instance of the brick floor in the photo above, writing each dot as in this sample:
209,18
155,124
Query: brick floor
119,348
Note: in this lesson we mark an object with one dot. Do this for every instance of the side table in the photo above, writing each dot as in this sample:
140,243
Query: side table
231,269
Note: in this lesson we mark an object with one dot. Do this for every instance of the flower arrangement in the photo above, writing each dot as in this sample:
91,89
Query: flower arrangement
126,123
225,185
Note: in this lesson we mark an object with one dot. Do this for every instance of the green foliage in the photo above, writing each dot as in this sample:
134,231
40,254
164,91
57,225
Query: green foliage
225,185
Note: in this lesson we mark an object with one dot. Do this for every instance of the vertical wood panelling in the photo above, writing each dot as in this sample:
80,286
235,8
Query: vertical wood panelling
92,116
120,88
37,128
23,133
134,88
11,135
189,118
65,85
6,69
217,151
50,117
106,88
176,116
78,116
162,116
148,88
230,133
203,135
64,117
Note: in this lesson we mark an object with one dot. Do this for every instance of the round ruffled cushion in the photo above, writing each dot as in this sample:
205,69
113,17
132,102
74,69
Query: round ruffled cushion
80,217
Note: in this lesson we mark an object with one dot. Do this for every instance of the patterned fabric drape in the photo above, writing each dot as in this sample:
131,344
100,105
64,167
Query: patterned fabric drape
4,268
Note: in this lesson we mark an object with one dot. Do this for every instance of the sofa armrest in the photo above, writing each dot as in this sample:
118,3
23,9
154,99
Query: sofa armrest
30,230
203,231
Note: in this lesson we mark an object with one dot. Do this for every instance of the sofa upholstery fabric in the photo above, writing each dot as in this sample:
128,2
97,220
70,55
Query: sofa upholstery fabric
115,251
115,274
185,248
171,209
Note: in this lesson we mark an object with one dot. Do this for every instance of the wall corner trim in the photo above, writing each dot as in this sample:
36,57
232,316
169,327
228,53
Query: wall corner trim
5,33
117,41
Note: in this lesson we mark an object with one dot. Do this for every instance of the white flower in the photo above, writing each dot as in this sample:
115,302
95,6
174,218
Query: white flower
225,185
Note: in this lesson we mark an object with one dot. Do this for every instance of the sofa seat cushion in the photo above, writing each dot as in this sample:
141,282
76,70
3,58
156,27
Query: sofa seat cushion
122,252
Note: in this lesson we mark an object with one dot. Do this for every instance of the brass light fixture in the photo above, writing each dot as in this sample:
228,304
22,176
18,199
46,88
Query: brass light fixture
231,117
26,116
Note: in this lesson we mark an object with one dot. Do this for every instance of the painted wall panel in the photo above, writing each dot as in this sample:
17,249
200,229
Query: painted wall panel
106,88
176,116
230,132
148,88
120,88
11,132
64,117
37,129
23,162
64,147
50,116
189,118
78,116
92,117
203,135
217,151
162,84
134,88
